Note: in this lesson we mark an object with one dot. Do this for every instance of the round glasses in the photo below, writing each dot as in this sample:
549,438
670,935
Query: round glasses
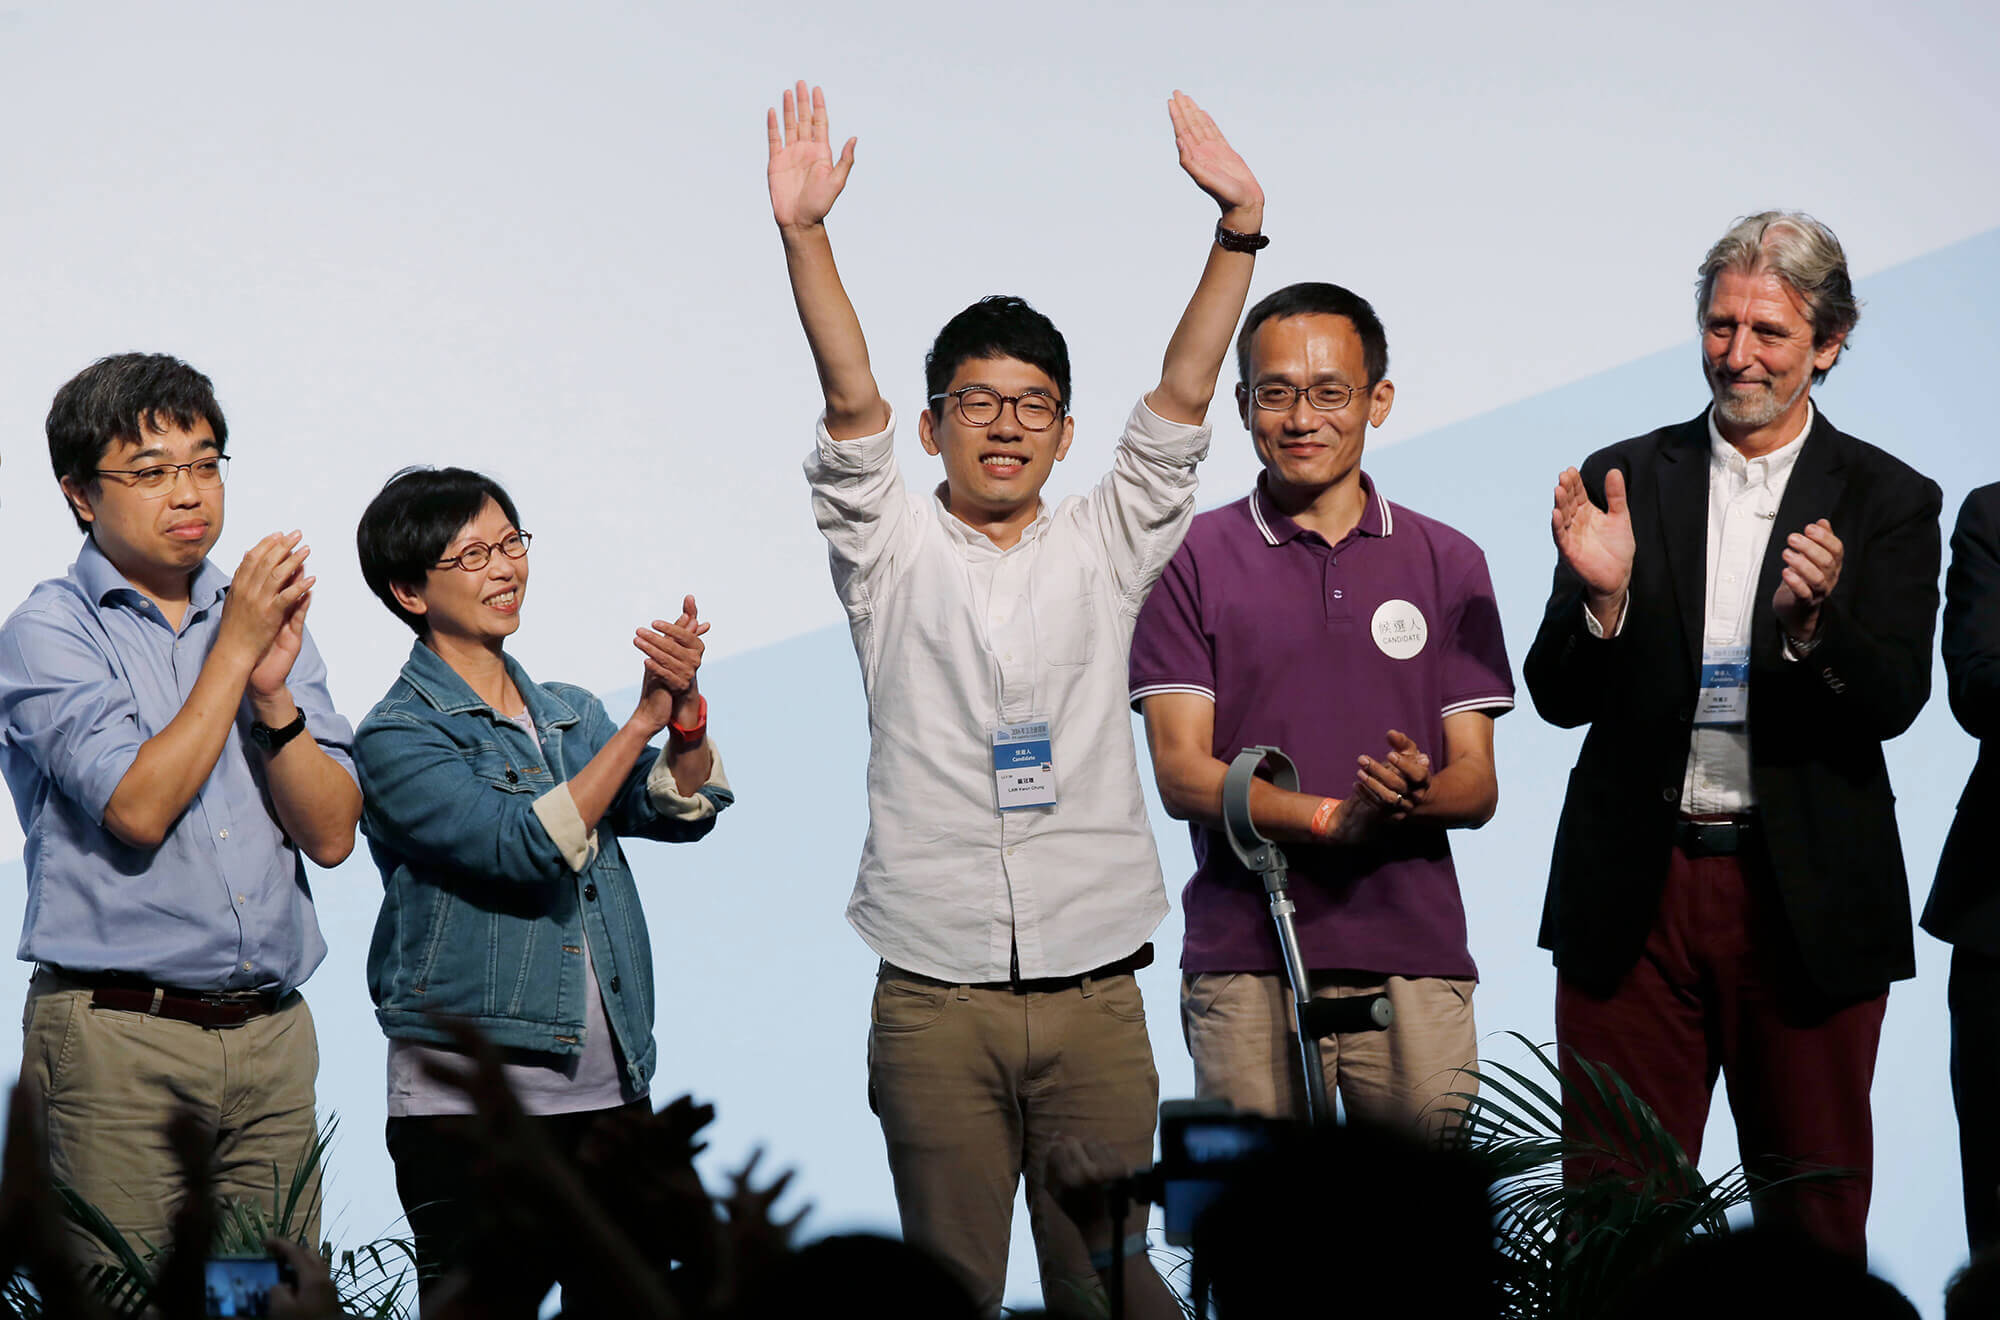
160,478
979,406
1276,397
479,554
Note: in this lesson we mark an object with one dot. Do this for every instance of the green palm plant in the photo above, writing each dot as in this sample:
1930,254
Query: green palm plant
375,1279
1568,1249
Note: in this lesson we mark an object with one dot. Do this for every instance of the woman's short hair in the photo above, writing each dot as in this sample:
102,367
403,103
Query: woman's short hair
406,527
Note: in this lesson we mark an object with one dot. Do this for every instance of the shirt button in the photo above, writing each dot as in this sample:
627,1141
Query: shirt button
1008,656
1338,593
223,835
1010,852
241,899
590,893
246,967
614,985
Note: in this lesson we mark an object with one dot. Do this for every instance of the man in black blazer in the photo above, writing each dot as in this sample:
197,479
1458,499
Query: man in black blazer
1964,907
1742,613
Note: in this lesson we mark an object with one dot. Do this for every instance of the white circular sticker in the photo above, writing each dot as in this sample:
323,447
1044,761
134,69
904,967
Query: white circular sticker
1398,628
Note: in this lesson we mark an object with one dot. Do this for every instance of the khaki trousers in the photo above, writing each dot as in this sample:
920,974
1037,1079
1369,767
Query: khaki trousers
971,1084
1238,1027
110,1080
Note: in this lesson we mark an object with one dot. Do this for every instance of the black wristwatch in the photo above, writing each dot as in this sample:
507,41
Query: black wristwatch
272,740
1231,241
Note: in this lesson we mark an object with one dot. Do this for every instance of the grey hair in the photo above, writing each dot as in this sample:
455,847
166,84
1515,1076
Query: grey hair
1798,250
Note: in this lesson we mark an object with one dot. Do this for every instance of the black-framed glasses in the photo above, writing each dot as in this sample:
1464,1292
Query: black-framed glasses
979,406
1275,396
160,477
479,554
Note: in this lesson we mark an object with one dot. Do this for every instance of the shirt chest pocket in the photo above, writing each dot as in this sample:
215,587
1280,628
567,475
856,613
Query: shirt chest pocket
1065,605
494,767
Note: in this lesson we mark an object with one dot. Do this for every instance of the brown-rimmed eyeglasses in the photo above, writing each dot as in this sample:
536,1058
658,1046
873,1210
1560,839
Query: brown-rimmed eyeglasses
980,406
479,554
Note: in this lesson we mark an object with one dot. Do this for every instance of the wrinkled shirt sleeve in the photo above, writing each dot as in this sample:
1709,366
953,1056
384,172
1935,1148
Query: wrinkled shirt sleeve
64,704
864,511
1141,510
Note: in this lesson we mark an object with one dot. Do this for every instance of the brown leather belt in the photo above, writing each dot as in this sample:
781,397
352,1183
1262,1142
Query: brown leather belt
126,993
1041,985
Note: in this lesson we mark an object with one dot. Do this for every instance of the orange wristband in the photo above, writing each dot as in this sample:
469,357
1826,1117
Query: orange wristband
1322,821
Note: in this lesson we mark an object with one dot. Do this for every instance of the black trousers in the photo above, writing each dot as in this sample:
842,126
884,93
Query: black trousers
458,1218
1975,1080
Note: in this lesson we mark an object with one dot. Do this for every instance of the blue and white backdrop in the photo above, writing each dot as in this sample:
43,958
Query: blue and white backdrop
534,239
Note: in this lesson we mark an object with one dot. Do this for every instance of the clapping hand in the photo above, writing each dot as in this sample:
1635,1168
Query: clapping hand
1214,165
1398,785
1813,559
803,174
1596,543
673,654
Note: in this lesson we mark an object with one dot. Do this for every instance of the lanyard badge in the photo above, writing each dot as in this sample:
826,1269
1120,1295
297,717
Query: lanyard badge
1024,771
1725,686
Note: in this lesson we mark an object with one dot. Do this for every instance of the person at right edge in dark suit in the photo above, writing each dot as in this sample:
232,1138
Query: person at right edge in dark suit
1742,613
1964,907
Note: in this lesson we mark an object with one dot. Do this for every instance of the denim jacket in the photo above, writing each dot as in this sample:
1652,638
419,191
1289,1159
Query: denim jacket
491,883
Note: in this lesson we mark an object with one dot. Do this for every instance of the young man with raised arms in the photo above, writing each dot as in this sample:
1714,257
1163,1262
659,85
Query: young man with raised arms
1009,880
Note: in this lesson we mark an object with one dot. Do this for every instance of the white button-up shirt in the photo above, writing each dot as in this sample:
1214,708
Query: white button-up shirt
956,636
1743,497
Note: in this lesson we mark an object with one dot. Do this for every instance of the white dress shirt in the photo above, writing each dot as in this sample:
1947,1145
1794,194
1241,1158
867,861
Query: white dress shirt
955,636
1743,497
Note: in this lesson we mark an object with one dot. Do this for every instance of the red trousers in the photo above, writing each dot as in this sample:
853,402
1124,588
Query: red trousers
1719,989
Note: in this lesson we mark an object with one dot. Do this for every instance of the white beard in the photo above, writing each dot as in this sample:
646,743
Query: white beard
1757,409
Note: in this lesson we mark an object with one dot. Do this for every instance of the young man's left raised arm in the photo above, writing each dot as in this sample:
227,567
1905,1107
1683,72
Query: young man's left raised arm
1201,340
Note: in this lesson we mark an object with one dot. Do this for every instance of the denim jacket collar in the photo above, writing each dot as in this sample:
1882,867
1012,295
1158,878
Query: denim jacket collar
439,684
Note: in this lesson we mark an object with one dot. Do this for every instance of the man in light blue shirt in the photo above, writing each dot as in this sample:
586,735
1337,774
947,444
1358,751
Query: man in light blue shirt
172,751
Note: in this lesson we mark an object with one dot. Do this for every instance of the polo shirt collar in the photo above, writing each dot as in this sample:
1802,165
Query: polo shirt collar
1278,528
101,581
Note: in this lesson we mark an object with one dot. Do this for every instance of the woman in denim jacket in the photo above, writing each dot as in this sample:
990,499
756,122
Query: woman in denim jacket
494,807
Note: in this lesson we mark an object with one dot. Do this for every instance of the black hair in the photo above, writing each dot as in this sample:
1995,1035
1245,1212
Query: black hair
406,527
999,325
119,398
1313,299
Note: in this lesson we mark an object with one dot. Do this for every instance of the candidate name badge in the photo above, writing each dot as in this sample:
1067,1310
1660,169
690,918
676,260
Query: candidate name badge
1024,766
1725,686
1398,629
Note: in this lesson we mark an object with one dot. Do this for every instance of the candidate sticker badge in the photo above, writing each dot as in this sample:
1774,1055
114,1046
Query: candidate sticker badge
1398,629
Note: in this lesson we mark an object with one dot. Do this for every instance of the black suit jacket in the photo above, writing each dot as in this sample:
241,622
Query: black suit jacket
1816,725
1964,906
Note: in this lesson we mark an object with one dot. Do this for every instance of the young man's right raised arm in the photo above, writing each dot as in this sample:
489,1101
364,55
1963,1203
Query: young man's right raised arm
805,180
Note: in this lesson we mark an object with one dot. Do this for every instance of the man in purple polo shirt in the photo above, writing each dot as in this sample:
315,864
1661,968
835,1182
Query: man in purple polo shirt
1364,640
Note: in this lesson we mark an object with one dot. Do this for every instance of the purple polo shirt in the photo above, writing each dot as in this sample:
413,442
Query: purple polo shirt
1320,650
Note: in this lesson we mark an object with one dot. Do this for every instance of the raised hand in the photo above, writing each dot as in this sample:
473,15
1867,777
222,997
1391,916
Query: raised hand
1813,559
1214,165
1596,543
269,582
803,174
